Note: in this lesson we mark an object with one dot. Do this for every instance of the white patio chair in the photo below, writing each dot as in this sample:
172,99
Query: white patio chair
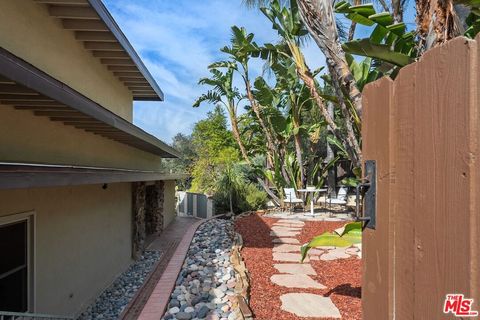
291,197
341,198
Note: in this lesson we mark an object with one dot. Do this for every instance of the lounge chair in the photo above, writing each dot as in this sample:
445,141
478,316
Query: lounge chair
291,197
341,198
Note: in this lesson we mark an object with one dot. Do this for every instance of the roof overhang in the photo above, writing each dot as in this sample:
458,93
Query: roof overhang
27,88
93,25
26,175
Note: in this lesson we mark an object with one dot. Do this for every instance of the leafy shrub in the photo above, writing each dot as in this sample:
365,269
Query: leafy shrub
246,197
255,198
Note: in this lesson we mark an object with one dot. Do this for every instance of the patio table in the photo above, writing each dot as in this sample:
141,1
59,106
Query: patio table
312,191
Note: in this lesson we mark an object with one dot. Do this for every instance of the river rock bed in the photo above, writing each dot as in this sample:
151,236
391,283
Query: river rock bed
110,304
205,285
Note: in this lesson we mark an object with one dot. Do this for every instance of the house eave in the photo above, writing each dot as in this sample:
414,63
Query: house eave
33,175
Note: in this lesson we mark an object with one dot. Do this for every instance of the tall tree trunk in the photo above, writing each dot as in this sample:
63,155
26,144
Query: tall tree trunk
298,150
332,172
272,144
350,141
253,103
236,135
243,151
351,31
437,22
397,6
317,15
348,122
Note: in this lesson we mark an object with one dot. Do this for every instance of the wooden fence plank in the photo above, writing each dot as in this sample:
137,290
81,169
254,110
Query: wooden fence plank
402,193
376,283
441,185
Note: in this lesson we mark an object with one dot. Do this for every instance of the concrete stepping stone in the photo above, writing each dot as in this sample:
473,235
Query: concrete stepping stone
288,257
288,225
295,268
278,233
285,223
327,257
315,252
286,240
325,247
339,253
334,255
283,247
286,228
309,305
296,281
291,221
352,251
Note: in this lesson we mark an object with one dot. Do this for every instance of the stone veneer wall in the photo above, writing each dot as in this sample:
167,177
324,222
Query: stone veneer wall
154,208
138,216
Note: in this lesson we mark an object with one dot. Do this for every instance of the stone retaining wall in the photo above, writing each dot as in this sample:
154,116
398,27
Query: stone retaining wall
242,288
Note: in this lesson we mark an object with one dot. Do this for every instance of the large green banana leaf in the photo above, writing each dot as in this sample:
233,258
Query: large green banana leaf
378,51
346,236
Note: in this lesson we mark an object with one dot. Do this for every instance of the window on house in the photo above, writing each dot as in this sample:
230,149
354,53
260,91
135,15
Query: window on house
14,267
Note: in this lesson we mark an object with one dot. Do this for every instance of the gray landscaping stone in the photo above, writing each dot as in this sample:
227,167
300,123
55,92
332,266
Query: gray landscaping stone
174,310
111,302
207,276
202,313
309,305
296,281
183,316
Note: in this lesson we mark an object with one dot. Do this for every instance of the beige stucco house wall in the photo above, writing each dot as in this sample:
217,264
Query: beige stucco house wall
169,202
82,240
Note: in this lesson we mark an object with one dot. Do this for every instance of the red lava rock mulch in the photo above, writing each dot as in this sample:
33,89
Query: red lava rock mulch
342,277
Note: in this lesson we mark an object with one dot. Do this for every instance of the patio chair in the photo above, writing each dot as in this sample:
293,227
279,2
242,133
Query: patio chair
291,197
341,198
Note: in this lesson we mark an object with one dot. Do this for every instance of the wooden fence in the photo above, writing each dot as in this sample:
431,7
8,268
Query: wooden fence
423,131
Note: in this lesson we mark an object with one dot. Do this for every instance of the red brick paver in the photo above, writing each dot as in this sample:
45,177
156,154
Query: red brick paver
158,300
167,244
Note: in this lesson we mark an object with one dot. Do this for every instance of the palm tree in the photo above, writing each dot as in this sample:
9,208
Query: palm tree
287,23
223,89
319,20
437,22
231,183
239,51
226,94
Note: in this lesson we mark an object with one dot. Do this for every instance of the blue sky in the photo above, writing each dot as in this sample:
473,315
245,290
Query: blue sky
177,40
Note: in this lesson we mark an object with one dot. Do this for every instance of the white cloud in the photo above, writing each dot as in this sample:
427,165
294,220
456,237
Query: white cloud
177,40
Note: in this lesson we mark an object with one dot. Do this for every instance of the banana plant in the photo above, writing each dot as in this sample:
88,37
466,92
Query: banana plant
473,19
348,235
389,41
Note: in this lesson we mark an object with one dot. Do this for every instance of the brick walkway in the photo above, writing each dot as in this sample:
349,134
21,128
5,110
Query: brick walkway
151,300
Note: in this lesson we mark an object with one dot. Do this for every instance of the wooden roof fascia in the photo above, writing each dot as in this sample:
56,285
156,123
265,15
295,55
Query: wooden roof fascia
37,81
